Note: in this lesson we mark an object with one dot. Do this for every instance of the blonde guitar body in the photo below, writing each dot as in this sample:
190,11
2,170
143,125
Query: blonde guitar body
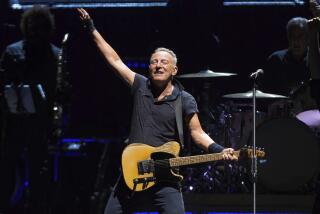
144,165
137,152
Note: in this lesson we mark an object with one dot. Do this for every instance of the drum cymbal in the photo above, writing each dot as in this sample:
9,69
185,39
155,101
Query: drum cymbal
259,94
206,74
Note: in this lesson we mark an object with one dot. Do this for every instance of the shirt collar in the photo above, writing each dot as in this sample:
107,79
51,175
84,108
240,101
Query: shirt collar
176,90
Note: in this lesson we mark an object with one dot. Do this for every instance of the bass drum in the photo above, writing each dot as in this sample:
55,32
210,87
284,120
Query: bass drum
292,155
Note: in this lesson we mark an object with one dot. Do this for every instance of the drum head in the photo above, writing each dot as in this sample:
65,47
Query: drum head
292,155
311,118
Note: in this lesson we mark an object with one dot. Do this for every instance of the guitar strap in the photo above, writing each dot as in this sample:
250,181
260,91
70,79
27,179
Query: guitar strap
179,120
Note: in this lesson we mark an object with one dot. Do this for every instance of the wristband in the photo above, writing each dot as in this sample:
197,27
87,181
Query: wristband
88,25
215,148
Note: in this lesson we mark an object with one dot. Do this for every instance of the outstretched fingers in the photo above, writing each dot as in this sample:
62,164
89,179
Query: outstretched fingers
84,15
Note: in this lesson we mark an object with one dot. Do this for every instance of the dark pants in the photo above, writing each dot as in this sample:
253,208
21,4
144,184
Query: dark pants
164,198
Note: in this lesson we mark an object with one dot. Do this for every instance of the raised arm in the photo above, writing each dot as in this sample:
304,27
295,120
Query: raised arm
109,54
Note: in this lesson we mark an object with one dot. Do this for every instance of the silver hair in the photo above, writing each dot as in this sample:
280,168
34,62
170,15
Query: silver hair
300,22
175,59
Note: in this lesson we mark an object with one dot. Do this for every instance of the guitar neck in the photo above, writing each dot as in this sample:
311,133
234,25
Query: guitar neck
183,161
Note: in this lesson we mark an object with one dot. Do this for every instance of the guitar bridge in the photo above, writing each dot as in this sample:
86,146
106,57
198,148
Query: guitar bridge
144,181
146,166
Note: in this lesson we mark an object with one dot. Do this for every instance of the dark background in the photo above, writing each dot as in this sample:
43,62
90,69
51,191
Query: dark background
204,34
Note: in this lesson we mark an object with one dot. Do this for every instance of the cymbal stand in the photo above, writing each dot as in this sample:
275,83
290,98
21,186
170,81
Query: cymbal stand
206,114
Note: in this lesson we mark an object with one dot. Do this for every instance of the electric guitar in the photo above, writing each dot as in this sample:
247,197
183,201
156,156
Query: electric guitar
144,165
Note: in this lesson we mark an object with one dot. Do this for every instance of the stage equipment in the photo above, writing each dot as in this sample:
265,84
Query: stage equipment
305,107
217,121
143,165
75,165
312,119
258,94
239,3
19,99
293,156
237,120
62,96
254,165
22,4
206,74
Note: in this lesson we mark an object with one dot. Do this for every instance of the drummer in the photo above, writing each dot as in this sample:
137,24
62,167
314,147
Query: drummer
295,71
288,72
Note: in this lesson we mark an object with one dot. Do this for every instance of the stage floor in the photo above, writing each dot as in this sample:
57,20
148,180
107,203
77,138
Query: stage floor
279,203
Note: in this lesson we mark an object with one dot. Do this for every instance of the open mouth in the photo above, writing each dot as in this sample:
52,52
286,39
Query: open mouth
158,73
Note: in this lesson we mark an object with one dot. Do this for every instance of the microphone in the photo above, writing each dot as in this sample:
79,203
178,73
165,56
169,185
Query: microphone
255,75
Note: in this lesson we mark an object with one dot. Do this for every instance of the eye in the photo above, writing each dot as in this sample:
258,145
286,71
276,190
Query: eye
153,62
164,62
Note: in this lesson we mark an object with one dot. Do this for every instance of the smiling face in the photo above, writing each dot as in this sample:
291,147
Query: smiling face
162,67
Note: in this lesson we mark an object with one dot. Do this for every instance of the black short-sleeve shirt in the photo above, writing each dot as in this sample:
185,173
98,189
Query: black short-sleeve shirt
153,122
283,74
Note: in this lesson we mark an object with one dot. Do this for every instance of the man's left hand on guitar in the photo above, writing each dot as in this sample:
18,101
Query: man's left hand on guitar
228,154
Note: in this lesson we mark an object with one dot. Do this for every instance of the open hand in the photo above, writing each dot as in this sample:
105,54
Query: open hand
86,20
84,15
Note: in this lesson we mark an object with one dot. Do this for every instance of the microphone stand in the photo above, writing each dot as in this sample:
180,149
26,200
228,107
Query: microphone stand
254,169
2,115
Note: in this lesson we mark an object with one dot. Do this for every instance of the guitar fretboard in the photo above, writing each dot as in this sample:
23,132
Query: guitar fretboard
183,161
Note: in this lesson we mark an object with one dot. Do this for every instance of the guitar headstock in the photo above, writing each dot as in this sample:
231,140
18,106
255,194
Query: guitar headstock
248,152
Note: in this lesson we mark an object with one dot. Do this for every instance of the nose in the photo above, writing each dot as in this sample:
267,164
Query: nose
159,64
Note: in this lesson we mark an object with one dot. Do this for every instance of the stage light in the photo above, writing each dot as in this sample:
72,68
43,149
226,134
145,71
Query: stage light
263,3
22,4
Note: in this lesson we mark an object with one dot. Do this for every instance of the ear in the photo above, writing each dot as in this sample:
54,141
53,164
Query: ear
175,71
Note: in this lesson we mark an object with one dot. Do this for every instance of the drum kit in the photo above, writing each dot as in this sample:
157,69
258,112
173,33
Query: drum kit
289,137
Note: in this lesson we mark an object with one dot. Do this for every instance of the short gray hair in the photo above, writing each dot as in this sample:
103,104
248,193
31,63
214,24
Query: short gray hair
300,22
175,59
